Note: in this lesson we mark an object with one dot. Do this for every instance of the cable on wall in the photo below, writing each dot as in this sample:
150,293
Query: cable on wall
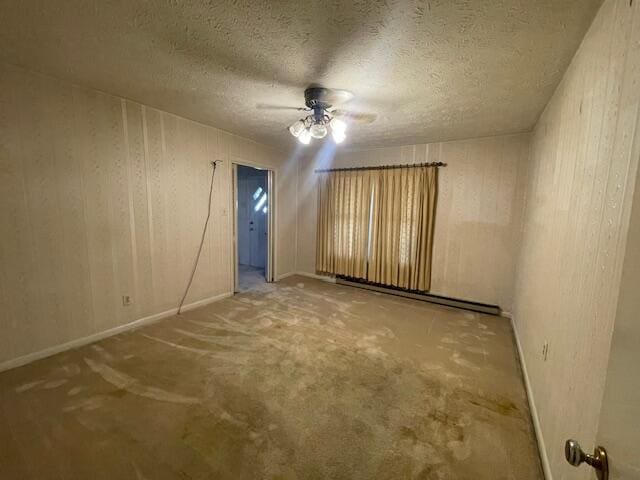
204,233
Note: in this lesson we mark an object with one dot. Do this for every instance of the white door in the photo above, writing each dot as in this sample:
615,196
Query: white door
619,428
246,187
258,227
252,221
619,421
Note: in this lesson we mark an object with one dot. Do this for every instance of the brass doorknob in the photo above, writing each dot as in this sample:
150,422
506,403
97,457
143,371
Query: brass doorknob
575,456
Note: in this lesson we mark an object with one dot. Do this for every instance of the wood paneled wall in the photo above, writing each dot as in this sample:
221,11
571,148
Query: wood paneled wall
582,179
478,216
101,197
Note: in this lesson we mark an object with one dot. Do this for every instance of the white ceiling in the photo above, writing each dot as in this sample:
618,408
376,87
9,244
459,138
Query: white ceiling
432,70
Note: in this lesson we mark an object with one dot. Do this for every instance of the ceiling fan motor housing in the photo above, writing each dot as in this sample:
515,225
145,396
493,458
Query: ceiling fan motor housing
316,98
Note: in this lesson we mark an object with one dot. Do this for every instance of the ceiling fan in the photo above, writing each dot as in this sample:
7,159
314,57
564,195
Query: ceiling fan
323,117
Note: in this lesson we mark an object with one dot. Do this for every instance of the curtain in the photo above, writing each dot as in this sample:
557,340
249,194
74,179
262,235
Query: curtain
403,215
344,199
377,225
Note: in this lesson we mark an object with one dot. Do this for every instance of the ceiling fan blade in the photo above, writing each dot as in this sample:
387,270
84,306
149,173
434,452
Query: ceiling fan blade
266,106
335,96
355,117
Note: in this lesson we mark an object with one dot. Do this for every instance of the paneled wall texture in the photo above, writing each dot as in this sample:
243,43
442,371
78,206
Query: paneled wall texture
584,156
101,197
478,215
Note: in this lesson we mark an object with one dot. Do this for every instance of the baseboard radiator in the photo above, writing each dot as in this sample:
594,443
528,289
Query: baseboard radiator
418,295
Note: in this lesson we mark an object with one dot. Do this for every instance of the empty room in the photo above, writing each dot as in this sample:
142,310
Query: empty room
300,240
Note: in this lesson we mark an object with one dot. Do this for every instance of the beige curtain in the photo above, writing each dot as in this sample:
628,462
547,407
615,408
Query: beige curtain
403,218
344,199
377,225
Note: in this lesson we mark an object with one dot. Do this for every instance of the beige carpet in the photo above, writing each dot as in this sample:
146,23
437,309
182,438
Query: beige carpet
296,380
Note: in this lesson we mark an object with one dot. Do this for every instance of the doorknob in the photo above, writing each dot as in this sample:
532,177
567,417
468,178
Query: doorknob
575,456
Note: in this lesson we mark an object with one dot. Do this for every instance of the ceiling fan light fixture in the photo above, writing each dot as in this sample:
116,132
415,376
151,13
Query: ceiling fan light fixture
304,137
296,128
318,130
323,119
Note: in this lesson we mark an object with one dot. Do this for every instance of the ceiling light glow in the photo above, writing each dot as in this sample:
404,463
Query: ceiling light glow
338,125
338,135
304,137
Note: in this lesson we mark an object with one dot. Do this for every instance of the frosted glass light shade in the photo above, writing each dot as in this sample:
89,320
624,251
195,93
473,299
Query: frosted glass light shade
304,137
338,125
338,135
296,128
318,130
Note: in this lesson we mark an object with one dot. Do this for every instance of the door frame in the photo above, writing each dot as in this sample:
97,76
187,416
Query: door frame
271,215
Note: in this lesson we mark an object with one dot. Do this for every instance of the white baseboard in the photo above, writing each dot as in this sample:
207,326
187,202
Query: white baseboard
285,275
79,342
532,406
324,278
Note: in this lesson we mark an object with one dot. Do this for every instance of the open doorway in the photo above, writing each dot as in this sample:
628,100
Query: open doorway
253,203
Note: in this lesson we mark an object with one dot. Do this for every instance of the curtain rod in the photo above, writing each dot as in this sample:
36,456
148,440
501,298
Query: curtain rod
382,167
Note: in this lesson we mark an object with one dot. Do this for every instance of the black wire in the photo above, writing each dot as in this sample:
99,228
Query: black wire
204,232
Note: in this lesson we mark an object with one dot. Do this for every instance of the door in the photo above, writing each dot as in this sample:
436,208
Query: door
246,188
619,428
619,423
258,225
253,219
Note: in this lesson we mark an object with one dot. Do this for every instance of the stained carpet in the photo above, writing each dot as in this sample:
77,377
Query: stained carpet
296,380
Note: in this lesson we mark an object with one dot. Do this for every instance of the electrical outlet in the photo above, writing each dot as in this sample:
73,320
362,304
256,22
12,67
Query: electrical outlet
126,300
545,351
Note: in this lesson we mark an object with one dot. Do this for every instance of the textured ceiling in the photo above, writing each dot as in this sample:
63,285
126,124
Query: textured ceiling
432,70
